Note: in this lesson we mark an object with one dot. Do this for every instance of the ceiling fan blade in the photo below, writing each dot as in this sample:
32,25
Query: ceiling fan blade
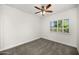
37,12
49,11
37,7
49,5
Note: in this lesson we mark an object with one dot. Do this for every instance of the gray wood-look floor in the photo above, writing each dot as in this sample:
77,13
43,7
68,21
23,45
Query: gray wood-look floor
41,47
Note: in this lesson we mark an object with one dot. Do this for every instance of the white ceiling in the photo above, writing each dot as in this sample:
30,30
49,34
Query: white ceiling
29,8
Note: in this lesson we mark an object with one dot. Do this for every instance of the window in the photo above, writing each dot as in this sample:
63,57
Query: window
60,26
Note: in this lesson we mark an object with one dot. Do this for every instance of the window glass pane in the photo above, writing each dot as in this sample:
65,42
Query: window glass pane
59,25
66,25
53,26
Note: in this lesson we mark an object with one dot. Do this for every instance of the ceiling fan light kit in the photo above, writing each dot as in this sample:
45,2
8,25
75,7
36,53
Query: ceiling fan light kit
44,9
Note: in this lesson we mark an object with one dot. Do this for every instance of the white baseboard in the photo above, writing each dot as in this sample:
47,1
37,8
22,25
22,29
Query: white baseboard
32,40
60,42
12,46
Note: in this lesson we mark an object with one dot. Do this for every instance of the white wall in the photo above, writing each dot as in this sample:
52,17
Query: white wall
0,25
68,39
78,29
18,27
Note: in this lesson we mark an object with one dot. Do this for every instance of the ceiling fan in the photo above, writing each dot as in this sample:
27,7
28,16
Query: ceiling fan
44,9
